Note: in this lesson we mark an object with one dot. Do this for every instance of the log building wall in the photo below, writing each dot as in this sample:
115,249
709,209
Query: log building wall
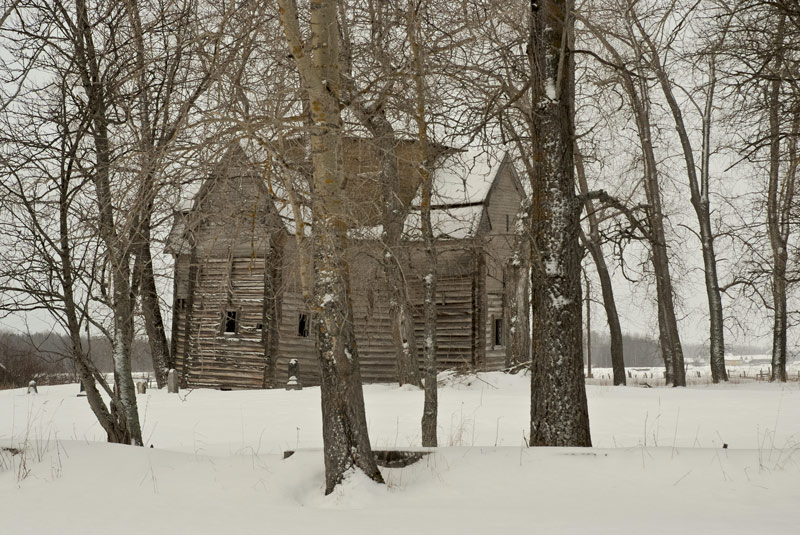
230,261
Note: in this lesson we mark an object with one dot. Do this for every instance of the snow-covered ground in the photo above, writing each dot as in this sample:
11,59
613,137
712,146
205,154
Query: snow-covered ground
659,464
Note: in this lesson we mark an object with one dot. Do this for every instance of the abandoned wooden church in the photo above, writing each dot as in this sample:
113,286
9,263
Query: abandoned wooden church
239,314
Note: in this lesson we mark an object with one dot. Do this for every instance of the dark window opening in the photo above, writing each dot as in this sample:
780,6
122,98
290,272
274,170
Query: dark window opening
259,326
230,321
498,332
302,325
508,225
180,303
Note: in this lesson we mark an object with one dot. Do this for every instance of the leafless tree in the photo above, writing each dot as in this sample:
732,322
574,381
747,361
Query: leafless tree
415,11
176,54
346,441
559,416
518,74
51,262
657,46
374,87
593,242
131,73
759,69
624,55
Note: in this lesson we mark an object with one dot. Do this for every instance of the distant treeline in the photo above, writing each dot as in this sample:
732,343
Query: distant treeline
44,357
644,351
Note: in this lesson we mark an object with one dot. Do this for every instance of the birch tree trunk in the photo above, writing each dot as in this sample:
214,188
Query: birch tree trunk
559,414
119,255
344,424
431,405
77,160
116,429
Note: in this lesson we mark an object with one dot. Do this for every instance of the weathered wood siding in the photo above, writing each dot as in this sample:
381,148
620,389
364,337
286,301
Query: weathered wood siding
227,359
502,207
454,299
291,345
237,360
221,261
232,253
371,310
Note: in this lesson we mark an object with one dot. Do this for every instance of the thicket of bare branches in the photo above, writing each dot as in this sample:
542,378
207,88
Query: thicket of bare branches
113,110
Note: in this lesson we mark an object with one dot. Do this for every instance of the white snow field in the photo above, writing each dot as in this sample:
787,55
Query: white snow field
659,464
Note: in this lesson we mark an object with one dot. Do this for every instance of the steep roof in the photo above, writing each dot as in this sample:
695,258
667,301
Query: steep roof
465,177
232,194
461,185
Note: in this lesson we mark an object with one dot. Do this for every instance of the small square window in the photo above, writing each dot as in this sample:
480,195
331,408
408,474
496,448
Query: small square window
302,325
180,303
259,326
230,322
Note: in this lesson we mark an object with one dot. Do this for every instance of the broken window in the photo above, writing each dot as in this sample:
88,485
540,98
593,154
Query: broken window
230,322
302,325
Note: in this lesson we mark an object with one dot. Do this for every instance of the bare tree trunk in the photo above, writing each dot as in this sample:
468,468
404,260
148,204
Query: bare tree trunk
344,425
779,199
431,405
118,254
517,291
668,324
666,345
588,327
270,310
778,234
700,202
779,321
559,414
637,91
151,310
393,214
158,117
188,350
116,429
593,244
144,276
373,117
714,294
